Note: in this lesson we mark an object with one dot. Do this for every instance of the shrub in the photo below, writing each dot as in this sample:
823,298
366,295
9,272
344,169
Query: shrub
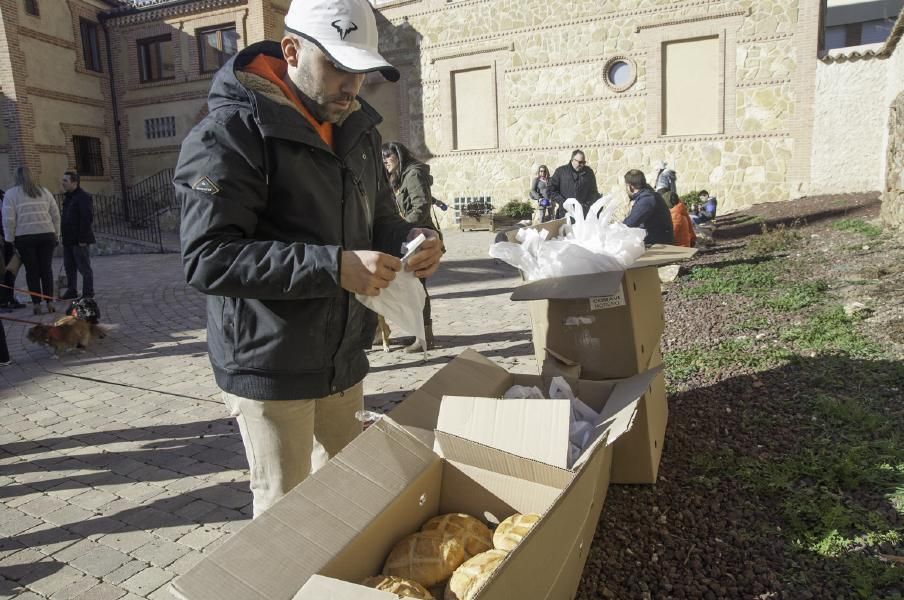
517,209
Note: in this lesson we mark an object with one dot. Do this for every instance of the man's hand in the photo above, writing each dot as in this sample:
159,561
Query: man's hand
425,261
367,272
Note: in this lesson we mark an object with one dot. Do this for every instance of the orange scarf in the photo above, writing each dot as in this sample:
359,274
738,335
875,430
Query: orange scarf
274,70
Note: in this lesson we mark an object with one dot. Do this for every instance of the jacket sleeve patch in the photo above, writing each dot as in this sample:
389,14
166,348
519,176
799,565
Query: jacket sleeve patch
205,185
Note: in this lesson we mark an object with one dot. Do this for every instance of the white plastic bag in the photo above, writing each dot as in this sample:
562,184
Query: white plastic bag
402,301
583,418
521,392
587,244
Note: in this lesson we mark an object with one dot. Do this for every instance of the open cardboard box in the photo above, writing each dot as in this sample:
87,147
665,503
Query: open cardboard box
609,322
636,454
342,522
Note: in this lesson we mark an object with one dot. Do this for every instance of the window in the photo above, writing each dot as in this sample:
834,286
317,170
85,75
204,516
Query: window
88,155
155,59
473,109
216,46
160,127
692,89
31,7
857,34
620,72
90,45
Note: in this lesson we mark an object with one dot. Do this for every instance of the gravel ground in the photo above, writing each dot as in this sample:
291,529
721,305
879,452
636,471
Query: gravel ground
783,472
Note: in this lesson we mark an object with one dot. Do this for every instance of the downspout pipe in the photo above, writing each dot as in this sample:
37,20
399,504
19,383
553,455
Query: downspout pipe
122,171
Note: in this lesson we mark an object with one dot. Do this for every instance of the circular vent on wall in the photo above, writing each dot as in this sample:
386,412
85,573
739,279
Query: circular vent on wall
620,73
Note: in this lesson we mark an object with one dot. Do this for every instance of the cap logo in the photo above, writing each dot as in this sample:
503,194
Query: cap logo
344,27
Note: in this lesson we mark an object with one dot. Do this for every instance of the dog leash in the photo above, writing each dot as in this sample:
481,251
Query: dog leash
30,293
22,321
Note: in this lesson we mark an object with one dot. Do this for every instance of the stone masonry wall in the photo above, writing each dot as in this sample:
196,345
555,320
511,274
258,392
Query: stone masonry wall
549,59
893,196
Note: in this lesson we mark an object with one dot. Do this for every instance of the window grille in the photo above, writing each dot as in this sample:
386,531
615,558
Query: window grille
88,155
159,127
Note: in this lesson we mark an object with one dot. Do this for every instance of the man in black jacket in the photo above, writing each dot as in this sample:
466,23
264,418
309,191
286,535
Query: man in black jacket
286,215
648,210
574,180
75,228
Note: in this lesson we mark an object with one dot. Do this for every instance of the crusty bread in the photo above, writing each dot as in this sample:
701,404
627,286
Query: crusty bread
510,532
428,557
470,577
473,535
406,588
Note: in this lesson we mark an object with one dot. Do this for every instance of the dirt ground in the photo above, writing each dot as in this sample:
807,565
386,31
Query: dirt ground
783,467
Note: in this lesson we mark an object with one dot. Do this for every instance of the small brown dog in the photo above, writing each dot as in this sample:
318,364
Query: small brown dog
67,334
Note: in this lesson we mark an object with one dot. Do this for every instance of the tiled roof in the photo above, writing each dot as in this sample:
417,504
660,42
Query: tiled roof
884,51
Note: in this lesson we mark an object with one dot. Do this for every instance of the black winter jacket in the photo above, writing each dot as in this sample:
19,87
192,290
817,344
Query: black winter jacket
77,218
567,183
649,211
267,209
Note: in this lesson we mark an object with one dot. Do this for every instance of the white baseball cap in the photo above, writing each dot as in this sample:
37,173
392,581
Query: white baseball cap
345,30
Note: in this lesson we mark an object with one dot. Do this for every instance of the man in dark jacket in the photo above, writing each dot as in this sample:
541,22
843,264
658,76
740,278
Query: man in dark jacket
574,180
648,210
286,215
75,229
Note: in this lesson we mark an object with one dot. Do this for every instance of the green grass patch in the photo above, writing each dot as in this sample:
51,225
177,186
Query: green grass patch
858,226
685,365
798,296
748,279
832,331
751,324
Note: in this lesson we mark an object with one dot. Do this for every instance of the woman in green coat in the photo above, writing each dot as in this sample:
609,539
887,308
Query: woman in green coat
410,179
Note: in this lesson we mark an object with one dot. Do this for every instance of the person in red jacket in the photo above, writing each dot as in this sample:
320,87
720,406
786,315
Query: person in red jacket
681,223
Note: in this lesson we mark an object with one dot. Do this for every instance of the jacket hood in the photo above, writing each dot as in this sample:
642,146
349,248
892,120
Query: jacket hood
232,86
419,167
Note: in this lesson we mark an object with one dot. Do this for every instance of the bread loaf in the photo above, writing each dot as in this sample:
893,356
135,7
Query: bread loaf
406,588
510,532
428,557
473,535
470,576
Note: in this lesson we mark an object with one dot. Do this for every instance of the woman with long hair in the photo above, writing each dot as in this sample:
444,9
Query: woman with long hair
410,180
31,221
538,192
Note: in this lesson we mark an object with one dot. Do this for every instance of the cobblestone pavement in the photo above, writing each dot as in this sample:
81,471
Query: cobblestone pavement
119,468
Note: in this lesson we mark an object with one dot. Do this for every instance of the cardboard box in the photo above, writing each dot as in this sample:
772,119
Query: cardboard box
342,522
613,335
468,393
637,453
609,322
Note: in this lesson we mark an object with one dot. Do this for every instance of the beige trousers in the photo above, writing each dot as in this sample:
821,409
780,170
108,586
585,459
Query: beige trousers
287,440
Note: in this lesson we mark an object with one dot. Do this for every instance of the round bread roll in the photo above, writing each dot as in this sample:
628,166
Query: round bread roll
406,588
469,577
473,535
510,532
428,557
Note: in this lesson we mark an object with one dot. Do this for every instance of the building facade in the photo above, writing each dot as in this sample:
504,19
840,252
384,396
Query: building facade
741,97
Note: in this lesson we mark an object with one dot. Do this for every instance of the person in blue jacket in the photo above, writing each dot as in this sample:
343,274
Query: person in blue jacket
706,210
648,210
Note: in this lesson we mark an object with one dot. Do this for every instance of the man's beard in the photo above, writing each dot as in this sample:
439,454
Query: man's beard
317,102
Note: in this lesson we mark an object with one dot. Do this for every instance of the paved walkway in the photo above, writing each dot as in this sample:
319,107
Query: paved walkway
119,469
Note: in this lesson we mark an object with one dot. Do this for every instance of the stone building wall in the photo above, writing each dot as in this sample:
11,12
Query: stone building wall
893,194
548,59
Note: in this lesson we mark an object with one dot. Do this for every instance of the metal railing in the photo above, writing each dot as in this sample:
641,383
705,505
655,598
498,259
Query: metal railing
138,218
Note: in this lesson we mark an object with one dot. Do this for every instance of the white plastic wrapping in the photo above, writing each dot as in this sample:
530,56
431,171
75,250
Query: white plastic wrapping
591,244
402,301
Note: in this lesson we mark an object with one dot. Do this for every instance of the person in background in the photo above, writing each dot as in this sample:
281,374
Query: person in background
648,210
410,179
574,180
77,218
682,228
8,300
31,221
666,180
539,192
706,210
287,215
